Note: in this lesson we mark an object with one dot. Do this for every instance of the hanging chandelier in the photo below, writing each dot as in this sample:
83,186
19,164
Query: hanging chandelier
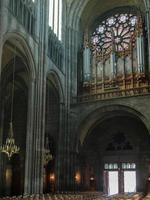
47,154
9,148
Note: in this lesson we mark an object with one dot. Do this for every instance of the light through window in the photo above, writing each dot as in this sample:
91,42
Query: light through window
55,16
113,182
129,181
114,33
120,175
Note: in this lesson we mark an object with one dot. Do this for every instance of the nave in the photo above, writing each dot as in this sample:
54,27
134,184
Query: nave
74,99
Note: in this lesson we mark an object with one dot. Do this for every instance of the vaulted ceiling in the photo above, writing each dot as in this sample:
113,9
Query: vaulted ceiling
87,11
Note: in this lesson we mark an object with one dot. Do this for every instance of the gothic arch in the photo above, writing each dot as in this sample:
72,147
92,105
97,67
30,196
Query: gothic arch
17,53
103,113
55,79
81,12
79,9
26,50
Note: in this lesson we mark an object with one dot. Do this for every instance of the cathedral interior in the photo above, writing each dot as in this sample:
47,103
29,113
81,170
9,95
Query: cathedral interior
74,99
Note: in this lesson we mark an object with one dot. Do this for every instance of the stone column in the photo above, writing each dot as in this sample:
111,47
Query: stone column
2,14
59,170
66,157
29,139
68,65
40,96
1,37
71,151
36,128
71,51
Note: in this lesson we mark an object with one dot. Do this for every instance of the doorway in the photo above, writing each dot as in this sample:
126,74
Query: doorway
113,183
119,178
129,181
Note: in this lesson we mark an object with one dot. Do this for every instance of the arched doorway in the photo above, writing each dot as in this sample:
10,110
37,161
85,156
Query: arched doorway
115,147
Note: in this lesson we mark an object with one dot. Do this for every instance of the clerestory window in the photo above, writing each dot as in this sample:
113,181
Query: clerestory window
55,16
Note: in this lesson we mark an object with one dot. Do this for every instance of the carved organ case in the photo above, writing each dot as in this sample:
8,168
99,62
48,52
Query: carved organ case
113,56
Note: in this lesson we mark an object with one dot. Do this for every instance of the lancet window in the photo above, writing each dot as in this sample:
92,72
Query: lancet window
55,16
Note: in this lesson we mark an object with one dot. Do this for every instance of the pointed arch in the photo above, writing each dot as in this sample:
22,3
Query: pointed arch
82,11
103,113
26,50
55,79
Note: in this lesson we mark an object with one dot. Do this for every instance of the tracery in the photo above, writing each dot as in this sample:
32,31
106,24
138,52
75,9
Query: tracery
114,33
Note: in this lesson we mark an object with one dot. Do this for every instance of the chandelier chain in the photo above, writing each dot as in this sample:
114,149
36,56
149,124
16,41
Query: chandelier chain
13,87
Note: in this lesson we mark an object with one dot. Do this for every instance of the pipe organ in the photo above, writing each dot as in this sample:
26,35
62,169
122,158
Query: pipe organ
113,57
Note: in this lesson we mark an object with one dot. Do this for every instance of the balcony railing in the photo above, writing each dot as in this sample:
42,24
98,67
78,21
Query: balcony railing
109,89
23,11
114,94
55,49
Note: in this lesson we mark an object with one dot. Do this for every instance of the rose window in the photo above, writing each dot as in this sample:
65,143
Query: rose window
114,33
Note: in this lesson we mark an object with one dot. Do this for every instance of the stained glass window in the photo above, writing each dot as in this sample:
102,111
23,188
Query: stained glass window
114,166
114,33
111,166
128,165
